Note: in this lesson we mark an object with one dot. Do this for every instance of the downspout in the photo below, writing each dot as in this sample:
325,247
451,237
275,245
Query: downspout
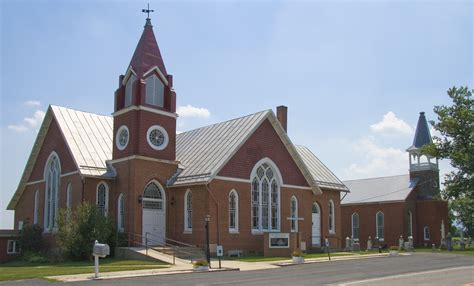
217,208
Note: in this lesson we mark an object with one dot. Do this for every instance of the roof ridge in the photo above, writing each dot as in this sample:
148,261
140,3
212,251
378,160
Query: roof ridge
53,105
222,122
381,177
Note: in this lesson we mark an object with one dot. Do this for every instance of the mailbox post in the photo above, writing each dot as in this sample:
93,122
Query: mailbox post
99,250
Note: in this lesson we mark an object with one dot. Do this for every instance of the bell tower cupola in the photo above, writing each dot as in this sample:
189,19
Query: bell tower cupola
423,167
145,103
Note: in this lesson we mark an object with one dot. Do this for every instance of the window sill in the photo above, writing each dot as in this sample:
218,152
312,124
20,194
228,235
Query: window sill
188,231
257,232
234,231
332,232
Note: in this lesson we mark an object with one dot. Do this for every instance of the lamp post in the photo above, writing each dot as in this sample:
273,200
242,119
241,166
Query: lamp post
208,251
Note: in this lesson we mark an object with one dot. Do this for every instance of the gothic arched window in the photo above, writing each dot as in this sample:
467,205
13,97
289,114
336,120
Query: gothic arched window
102,198
129,90
265,201
188,211
332,217
379,221
233,211
294,214
154,91
355,226
52,173
121,213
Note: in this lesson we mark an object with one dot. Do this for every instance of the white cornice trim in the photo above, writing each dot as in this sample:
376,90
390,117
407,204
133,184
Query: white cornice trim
140,157
232,179
155,68
62,176
145,108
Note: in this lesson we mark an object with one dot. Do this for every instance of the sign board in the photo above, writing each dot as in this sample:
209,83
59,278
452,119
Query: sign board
326,241
279,240
303,245
220,250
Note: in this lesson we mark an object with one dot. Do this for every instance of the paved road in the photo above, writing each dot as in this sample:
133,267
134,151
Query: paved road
393,270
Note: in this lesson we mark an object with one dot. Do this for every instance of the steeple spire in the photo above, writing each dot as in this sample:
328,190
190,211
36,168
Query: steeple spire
147,53
422,134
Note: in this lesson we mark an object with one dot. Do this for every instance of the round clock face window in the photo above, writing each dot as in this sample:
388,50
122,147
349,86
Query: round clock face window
157,137
122,137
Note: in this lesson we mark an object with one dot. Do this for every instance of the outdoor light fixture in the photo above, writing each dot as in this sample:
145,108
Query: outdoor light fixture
140,198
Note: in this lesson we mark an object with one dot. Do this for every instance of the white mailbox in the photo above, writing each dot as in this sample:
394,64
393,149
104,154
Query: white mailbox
101,249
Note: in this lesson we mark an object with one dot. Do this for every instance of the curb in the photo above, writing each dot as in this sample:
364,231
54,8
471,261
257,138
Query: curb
336,258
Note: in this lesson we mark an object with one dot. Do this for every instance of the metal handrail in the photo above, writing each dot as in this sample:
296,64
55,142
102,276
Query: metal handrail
172,240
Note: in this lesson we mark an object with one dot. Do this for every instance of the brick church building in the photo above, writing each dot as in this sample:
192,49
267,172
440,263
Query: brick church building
404,205
262,192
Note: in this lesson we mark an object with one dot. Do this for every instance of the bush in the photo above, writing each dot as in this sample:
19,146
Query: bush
79,230
297,253
31,238
34,257
201,263
393,247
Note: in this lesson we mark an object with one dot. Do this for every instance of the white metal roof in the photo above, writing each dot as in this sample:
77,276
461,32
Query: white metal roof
383,189
321,174
88,136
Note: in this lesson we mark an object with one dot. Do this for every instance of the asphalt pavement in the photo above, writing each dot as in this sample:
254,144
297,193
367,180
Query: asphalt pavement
418,268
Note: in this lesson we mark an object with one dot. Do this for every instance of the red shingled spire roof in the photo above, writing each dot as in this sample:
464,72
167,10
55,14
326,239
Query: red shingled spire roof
147,53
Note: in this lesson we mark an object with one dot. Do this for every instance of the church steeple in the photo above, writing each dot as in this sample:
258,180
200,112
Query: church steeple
422,137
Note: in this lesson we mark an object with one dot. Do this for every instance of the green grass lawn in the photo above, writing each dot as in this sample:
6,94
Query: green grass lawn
17,270
456,250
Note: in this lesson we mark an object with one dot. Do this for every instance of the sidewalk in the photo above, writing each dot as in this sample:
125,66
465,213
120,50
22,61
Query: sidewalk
227,265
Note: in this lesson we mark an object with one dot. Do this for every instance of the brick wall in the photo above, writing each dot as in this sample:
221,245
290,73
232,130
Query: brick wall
264,142
431,214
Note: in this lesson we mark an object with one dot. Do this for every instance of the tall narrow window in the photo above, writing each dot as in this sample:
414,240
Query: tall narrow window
426,233
294,214
36,213
103,198
188,211
154,91
332,217
121,213
69,197
355,226
379,220
265,198
52,172
129,90
410,224
233,211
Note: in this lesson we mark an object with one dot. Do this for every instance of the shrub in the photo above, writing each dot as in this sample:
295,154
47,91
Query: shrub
297,253
201,262
393,247
31,238
78,230
34,257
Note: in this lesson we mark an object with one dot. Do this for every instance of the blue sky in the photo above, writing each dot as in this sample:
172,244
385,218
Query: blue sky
354,74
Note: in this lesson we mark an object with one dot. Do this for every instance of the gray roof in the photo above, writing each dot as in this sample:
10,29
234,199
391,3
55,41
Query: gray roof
201,151
89,137
383,189
321,174
422,134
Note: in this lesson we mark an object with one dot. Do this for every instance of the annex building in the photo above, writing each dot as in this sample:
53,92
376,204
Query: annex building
261,192
406,205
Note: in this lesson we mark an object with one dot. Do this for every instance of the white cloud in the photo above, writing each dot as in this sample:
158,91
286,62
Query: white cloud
378,161
36,120
191,111
28,122
33,103
18,128
390,124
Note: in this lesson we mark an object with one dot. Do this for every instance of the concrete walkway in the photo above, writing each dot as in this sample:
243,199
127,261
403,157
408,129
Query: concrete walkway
183,267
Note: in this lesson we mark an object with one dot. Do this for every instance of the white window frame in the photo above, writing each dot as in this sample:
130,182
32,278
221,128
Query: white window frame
152,92
121,213
16,247
165,134
36,208
129,91
377,231
358,226
277,178
234,229
426,233
188,212
331,217
117,137
51,194
106,206
294,214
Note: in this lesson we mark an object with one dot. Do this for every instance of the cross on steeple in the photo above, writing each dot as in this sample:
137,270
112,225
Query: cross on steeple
148,11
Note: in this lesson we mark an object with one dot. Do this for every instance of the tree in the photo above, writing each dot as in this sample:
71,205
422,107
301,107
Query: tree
456,126
78,230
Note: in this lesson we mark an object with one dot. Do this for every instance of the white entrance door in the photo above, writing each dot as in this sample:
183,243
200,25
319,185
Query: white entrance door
154,215
316,230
